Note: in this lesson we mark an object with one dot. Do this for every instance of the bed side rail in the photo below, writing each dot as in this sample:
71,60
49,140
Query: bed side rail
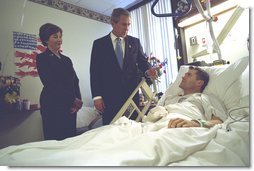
129,106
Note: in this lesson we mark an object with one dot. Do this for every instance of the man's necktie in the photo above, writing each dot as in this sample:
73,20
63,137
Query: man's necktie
119,52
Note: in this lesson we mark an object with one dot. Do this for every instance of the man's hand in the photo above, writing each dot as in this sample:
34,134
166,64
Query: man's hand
179,123
99,105
152,73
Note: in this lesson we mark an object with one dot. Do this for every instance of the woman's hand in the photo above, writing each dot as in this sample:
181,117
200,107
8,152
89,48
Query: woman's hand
77,104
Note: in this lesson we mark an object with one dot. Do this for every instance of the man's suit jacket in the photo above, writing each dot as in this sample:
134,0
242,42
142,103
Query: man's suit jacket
107,78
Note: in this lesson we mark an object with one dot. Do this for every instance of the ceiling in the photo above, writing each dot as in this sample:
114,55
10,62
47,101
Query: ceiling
103,6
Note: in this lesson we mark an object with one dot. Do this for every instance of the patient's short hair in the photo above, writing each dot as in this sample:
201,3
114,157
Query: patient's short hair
117,12
201,75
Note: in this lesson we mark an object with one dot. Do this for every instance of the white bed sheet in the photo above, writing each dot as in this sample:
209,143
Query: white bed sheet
85,116
129,143
226,149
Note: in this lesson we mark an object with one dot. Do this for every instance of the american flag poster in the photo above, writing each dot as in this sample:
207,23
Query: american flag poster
26,47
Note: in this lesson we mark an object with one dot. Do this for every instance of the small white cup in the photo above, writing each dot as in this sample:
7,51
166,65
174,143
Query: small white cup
26,104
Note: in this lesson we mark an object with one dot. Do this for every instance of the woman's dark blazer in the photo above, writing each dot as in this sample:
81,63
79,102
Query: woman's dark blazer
59,79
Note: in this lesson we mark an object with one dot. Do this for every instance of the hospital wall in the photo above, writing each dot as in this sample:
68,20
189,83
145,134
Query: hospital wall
78,36
232,48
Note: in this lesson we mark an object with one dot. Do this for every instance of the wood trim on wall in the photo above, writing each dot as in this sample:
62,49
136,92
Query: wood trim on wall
64,6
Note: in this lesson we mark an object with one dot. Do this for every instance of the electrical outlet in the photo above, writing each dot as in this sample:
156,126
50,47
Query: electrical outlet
203,41
193,40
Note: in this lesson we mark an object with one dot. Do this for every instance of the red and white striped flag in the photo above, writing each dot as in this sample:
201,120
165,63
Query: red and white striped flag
26,47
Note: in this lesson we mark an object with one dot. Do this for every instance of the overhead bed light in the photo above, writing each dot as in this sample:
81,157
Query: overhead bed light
214,10
208,17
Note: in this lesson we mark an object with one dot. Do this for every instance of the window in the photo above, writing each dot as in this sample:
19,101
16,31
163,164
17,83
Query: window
157,37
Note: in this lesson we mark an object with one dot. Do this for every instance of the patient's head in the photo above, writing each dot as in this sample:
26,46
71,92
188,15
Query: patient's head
194,81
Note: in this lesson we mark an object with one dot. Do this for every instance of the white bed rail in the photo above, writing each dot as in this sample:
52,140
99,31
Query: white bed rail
130,106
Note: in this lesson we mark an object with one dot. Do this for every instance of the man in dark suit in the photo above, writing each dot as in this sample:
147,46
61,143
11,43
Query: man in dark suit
113,81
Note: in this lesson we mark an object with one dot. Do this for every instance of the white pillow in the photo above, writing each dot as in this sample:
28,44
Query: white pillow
241,108
226,78
231,97
224,82
245,87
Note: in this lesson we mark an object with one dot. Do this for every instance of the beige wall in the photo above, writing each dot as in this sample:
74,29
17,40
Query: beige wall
78,35
233,47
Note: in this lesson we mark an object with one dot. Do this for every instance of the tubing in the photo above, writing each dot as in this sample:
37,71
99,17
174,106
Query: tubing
209,19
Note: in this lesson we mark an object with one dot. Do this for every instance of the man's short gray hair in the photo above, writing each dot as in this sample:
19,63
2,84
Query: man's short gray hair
117,12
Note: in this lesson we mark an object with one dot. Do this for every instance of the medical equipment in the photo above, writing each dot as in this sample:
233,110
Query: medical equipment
183,7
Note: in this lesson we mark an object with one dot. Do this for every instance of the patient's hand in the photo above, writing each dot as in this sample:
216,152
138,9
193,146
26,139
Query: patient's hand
155,114
181,123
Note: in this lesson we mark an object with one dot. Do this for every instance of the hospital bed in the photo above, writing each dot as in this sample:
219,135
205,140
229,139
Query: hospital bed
89,118
127,142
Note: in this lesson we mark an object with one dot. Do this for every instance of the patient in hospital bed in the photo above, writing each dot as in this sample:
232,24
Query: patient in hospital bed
190,108
151,143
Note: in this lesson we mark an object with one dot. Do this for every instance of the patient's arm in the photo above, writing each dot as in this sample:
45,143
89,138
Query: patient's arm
215,120
179,123
182,123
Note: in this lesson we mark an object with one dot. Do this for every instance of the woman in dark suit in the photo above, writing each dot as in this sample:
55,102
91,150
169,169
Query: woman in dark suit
112,81
60,98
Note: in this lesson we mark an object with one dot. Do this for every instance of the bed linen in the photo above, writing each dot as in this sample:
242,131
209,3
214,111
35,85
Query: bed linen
88,118
128,143
131,143
228,148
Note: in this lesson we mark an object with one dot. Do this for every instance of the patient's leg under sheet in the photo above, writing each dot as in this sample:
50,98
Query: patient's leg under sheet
121,144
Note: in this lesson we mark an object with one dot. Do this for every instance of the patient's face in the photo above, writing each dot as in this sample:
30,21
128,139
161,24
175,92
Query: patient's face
189,80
